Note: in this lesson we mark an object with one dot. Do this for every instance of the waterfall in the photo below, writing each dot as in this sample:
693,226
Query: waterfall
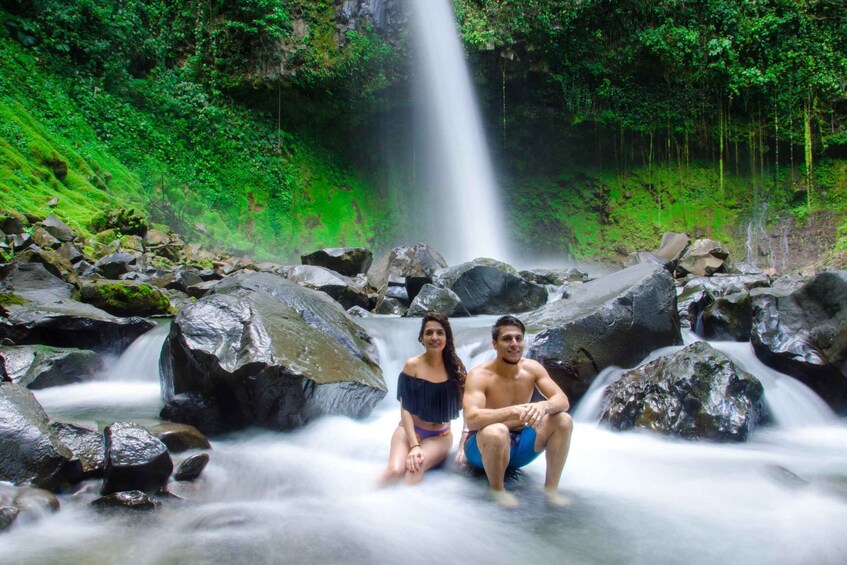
459,211
140,361
758,240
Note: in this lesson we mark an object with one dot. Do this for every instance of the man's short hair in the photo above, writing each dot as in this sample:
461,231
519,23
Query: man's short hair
507,320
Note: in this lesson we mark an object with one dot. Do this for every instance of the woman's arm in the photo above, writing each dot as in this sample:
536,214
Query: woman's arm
415,458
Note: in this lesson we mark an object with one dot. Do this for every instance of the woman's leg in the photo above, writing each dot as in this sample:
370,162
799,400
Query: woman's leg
435,451
397,458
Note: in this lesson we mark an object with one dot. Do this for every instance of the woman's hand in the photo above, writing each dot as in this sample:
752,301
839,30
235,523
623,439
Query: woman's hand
461,459
415,459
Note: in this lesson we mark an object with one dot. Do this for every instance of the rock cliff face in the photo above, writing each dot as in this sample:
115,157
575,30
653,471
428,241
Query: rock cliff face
790,244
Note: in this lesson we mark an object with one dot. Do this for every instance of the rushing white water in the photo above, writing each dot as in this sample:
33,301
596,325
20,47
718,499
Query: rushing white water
461,205
311,497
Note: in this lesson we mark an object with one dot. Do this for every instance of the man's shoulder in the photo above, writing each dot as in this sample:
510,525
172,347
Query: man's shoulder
481,371
533,367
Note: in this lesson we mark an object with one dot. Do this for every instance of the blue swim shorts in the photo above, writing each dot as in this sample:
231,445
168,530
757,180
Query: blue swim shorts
521,453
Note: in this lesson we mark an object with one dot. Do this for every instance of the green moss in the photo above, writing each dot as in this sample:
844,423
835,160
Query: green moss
127,299
8,299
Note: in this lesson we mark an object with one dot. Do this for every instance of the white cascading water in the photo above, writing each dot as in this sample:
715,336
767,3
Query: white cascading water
461,211
310,496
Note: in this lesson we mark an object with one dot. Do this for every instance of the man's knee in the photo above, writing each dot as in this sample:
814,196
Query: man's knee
495,434
563,423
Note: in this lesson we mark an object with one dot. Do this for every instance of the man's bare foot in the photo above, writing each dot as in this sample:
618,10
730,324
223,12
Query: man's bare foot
504,498
554,498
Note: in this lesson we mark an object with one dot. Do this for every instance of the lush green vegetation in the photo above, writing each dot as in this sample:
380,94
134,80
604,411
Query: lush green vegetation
107,108
696,111
260,125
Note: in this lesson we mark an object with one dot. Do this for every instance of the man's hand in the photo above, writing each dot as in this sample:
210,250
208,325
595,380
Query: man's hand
532,413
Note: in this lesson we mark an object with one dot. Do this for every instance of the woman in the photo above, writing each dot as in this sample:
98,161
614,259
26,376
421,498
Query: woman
429,389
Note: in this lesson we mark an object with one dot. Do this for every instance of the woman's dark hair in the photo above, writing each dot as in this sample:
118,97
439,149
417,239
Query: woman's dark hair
454,366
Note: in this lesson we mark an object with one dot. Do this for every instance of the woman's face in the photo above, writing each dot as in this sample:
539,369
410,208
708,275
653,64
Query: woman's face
434,337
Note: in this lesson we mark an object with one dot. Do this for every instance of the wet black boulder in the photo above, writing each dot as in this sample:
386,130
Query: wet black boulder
492,288
615,320
261,350
695,393
30,451
135,460
804,334
71,324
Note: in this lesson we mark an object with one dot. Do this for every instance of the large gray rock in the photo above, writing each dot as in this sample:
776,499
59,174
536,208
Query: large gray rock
341,289
113,265
348,261
695,393
135,460
125,297
416,265
58,229
491,289
42,366
31,451
704,258
71,324
804,334
434,299
265,351
34,282
700,292
673,246
179,437
615,320
557,277
728,318
86,443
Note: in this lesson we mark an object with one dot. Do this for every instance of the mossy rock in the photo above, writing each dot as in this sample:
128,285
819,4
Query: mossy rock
107,236
125,220
126,298
12,221
9,298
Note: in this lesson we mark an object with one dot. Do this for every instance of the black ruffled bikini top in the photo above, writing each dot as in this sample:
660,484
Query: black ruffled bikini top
432,402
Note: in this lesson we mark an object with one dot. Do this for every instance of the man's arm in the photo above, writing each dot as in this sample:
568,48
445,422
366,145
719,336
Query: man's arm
557,400
477,415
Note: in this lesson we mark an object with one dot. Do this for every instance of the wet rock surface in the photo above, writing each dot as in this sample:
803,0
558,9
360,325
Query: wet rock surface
135,460
71,324
32,452
804,334
696,393
348,261
615,320
491,289
42,366
434,299
268,352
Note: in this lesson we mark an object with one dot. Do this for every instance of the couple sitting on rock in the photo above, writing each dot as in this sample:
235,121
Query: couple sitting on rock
504,430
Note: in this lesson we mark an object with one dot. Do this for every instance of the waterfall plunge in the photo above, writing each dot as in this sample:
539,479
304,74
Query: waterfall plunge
458,192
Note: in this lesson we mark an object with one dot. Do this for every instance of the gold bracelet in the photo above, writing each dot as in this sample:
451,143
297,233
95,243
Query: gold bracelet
414,446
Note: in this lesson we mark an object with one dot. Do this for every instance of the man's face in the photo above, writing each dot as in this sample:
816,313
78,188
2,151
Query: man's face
509,344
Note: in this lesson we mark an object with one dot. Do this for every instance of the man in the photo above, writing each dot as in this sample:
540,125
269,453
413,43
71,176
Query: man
507,431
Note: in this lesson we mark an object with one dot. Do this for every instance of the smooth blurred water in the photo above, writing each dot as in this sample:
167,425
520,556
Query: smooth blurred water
459,199
311,496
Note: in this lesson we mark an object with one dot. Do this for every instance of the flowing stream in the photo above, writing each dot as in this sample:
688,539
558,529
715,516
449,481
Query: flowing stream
310,496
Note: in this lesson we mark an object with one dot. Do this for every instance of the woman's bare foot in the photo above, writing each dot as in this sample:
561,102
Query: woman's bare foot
504,498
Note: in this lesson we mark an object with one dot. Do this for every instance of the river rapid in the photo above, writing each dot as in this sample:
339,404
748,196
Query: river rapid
311,496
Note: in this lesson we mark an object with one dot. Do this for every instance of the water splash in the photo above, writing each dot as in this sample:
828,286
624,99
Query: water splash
463,217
